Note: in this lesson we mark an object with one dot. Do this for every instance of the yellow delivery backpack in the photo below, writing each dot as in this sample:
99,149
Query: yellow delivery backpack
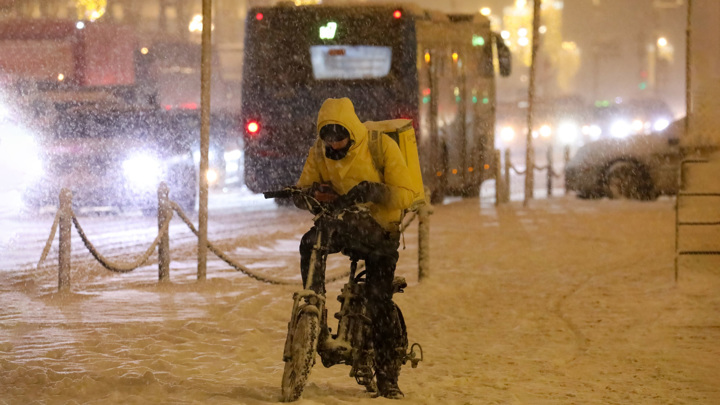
402,132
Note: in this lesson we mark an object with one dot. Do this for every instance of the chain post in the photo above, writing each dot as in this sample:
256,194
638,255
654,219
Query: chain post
566,160
164,215
424,241
506,196
549,170
499,192
65,225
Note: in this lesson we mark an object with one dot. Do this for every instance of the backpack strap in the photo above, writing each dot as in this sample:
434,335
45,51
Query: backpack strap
319,152
376,152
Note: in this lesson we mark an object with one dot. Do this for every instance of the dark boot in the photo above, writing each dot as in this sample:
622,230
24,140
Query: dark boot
387,382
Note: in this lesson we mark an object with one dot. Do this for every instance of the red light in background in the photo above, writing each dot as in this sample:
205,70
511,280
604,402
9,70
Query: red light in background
259,16
397,14
253,127
189,106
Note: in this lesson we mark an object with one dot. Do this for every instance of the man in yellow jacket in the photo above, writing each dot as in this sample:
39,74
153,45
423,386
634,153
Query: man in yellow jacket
342,163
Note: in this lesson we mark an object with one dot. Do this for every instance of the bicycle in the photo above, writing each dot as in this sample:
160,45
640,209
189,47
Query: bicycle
308,332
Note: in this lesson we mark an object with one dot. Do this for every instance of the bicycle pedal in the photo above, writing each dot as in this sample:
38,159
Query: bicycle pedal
411,355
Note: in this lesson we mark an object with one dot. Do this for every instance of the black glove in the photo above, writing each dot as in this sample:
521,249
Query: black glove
367,191
299,201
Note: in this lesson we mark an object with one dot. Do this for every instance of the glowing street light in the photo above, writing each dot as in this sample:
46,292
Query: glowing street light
662,42
485,11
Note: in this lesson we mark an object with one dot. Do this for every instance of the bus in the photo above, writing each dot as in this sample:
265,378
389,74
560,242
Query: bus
392,61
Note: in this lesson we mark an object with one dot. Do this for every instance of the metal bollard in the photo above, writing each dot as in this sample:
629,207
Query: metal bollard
549,171
424,241
164,214
65,225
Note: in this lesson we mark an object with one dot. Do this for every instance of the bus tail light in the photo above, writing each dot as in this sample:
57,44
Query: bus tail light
397,14
252,127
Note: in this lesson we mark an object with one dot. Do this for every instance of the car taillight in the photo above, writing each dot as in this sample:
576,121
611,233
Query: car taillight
252,127
397,14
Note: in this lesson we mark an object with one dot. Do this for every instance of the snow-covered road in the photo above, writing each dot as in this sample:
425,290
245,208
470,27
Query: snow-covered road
565,301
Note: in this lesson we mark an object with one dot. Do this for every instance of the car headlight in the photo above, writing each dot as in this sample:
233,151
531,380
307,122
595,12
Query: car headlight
620,129
142,170
637,125
545,131
212,176
19,152
661,124
593,131
507,134
568,132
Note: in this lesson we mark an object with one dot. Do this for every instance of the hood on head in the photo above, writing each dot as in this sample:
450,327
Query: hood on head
341,111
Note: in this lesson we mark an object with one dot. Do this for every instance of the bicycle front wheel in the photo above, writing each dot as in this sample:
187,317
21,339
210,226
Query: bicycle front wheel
304,345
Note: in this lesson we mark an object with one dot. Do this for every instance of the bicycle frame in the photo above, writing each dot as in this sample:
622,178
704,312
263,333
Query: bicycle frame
351,344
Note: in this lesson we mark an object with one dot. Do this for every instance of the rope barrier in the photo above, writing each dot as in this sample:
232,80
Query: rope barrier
120,267
516,170
551,171
65,214
49,242
220,254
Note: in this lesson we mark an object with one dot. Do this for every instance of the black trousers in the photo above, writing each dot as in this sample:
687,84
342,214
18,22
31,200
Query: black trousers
367,240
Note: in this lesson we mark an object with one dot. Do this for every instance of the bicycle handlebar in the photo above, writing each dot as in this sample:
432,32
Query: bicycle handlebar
341,203
287,192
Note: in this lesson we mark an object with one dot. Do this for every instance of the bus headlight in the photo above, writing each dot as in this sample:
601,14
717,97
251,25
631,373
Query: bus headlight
142,170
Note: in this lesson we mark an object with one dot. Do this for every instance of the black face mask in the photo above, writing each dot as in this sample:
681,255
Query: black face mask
337,154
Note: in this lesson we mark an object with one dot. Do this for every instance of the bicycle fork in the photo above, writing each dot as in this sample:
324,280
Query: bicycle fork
307,300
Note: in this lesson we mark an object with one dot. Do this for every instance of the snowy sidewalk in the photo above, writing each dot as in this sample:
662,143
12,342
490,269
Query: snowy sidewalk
567,301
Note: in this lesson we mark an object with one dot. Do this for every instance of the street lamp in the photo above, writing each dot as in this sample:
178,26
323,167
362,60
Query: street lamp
662,42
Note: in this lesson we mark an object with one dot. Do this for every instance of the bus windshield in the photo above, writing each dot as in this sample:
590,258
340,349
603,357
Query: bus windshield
310,45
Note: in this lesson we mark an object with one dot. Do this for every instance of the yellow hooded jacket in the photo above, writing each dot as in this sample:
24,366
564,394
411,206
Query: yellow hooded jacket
357,165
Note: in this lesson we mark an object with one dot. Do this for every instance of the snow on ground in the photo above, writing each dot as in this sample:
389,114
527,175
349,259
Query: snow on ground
565,301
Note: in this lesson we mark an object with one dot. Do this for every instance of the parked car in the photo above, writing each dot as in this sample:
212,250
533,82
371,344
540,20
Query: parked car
632,117
113,156
638,167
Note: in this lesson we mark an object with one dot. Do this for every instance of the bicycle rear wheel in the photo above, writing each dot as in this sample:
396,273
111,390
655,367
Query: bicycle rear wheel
297,368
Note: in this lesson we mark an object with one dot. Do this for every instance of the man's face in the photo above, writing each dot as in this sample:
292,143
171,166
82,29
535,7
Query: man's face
337,145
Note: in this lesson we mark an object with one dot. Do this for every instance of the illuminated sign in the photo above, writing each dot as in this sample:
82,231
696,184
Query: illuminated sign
328,31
